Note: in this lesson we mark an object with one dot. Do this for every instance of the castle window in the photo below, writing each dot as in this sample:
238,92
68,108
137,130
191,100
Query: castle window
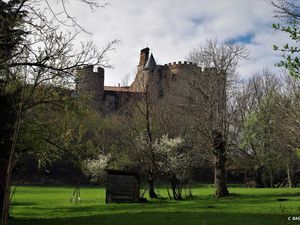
174,77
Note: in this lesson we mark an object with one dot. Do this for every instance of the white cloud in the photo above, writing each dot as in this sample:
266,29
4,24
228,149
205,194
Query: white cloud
172,28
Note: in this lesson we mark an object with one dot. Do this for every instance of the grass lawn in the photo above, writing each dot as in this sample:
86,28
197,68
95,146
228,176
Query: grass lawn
50,205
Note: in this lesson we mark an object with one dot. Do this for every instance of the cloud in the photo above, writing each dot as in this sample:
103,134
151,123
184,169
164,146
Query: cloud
172,28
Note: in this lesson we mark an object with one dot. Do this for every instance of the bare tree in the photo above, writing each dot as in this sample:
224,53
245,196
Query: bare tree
285,9
210,94
288,115
141,120
126,79
267,138
38,69
259,128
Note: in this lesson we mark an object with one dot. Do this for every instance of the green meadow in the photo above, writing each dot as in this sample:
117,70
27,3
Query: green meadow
246,206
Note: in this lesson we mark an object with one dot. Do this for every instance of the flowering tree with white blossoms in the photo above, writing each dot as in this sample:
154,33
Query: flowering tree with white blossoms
94,168
174,161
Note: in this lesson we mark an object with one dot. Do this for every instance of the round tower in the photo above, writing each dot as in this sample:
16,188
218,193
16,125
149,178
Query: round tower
91,85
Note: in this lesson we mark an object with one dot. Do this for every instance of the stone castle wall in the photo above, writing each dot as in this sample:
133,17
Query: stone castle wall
169,83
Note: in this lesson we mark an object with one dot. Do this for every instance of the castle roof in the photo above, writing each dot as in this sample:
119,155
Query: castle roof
151,64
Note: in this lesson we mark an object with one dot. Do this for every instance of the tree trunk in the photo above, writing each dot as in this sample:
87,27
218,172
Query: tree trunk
219,151
6,200
10,163
215,174
7,121
10,123
152,193
264,178
258,177
176,189
2,186
4,190
3,169
245,177
290,175
170,197
271,179
220,173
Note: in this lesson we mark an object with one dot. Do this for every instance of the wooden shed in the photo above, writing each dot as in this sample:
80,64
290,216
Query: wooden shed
122,186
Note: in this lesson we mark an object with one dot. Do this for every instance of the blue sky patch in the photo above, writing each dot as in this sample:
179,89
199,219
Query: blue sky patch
196,20
244,39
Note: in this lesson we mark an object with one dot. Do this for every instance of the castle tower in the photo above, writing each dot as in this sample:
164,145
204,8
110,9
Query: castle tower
146,71
91,85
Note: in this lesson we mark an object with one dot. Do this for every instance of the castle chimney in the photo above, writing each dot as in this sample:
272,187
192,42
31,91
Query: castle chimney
144,57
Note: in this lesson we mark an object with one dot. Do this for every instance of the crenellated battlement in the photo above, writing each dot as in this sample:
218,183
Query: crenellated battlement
181,64
189,65
92,69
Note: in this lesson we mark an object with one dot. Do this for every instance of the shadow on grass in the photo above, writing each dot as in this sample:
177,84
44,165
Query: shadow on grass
24,203
272,195
162,218
201,209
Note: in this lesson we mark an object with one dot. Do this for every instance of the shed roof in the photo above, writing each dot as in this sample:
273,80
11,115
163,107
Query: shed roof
122,172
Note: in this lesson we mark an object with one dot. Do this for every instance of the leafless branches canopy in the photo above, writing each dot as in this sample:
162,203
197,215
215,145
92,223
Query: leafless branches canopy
287,9
211,107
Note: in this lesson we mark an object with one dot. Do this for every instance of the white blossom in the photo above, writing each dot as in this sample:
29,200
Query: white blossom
94,168
173,160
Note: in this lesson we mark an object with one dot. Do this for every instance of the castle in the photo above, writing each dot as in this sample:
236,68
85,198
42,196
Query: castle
167,82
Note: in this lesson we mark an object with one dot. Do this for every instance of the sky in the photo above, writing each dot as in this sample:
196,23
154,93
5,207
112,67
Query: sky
171,28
